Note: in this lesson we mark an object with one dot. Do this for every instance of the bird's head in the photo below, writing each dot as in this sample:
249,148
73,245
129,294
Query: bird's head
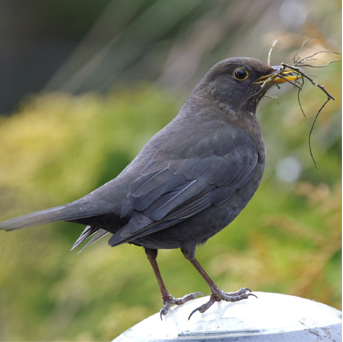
240,83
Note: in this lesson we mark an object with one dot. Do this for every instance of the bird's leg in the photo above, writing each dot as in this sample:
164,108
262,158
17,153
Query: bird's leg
216,294
167,298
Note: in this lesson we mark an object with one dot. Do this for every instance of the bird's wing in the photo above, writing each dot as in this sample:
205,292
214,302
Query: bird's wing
167,193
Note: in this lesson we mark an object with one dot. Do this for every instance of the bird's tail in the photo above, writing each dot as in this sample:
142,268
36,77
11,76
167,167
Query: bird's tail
68,212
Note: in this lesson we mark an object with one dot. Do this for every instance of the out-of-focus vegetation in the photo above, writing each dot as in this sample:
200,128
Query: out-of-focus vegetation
57,147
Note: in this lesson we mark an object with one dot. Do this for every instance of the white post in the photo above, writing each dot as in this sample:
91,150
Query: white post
269,318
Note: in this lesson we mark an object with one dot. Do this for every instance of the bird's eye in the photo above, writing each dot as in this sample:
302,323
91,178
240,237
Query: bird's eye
240,74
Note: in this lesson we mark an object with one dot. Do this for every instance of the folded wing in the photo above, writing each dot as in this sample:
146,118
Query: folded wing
169,192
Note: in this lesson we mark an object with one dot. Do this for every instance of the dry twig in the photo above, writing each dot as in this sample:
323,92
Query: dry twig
298,63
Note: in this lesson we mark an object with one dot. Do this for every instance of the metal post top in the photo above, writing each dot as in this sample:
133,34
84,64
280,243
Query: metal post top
269,318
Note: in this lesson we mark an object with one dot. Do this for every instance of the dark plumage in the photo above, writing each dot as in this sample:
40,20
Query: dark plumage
189,181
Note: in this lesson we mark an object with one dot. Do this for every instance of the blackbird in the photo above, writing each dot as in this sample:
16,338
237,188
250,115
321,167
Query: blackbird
189,181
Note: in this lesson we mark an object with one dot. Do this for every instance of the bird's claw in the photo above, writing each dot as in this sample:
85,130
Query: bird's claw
170,300
217,295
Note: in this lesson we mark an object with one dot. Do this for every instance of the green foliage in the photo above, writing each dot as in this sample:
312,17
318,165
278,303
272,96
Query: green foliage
58,147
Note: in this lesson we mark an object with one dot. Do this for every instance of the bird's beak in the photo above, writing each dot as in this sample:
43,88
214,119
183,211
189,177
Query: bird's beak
280,75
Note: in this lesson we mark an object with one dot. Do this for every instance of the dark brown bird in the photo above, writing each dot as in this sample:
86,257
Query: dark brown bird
189,181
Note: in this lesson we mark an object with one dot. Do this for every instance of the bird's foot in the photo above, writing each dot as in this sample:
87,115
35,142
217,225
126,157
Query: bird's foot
218,295
169,300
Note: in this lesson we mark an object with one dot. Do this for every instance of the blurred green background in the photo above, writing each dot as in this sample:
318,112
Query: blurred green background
85,84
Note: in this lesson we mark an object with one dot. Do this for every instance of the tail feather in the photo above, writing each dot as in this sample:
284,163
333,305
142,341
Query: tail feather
96,233
33,219
100,234
68,212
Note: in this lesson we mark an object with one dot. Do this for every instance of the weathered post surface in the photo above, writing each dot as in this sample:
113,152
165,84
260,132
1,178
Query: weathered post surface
269,318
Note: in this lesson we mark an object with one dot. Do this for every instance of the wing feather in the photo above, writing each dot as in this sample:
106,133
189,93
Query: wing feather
184,188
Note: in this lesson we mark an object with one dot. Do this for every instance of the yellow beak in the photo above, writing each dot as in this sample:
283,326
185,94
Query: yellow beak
279,76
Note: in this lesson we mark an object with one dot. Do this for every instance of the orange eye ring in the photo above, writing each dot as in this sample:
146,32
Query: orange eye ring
240,74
